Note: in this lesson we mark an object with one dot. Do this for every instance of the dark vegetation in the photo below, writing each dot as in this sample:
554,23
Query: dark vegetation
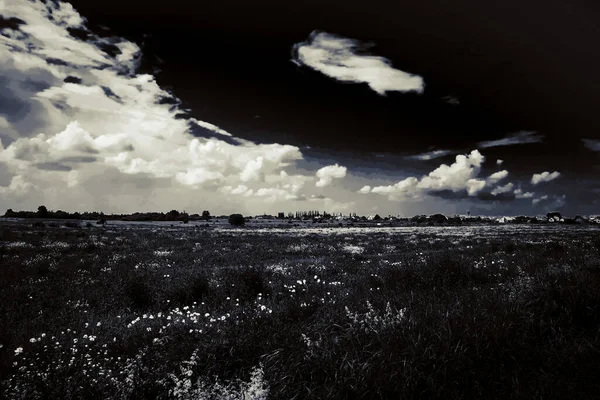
172,215
314,216
490,313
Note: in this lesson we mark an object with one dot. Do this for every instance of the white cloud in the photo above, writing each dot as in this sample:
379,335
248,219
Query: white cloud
405,189
522,137
456,176
337,57
459,176
503,189
209,126
474,186
105,138
328,173
497,176
544,177
430,155
365,189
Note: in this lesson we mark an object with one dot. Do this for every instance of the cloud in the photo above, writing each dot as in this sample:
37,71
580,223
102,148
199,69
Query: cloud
211,127
518,138
503,189
338,58
328,173
76,118
499,162
430,155
365,189
405,189
497,176
591,144
544,177
458,177
519,194
539,199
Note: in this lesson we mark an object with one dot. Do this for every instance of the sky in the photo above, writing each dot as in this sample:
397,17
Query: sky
395,108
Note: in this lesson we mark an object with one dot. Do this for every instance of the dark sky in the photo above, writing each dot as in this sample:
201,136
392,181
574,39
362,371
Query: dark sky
514,65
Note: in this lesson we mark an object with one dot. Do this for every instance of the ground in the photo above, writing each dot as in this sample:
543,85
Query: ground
161,311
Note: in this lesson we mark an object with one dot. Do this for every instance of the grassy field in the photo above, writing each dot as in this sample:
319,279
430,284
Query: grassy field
168,312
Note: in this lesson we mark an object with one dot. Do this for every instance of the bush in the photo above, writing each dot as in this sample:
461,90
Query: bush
237,219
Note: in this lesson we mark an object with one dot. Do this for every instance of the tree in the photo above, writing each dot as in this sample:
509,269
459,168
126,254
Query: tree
237,219
42,212
9,213
205,215
172,215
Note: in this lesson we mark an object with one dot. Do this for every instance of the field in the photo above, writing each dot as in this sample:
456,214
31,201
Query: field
143,311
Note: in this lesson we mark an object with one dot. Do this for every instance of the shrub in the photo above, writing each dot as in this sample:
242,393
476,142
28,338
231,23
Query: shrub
237,219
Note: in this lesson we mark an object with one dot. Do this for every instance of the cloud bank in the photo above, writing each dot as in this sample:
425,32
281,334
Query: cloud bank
461,176
76,118
338,57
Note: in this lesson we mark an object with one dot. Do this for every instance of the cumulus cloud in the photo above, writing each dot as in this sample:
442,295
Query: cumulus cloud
76,118
461,176
328,173
544,177
339,58
365,189
405,189
430,155
497,176
522,137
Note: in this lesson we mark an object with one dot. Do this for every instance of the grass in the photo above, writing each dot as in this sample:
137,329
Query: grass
93,312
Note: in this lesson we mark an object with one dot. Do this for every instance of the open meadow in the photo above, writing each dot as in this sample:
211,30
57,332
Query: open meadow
150,311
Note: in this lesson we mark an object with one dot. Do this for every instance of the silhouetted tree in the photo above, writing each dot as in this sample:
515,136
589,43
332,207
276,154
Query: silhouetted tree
9,213
42,212
438,218
205,214
237,219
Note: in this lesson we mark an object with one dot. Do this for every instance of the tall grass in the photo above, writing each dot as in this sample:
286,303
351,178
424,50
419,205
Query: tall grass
165,313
